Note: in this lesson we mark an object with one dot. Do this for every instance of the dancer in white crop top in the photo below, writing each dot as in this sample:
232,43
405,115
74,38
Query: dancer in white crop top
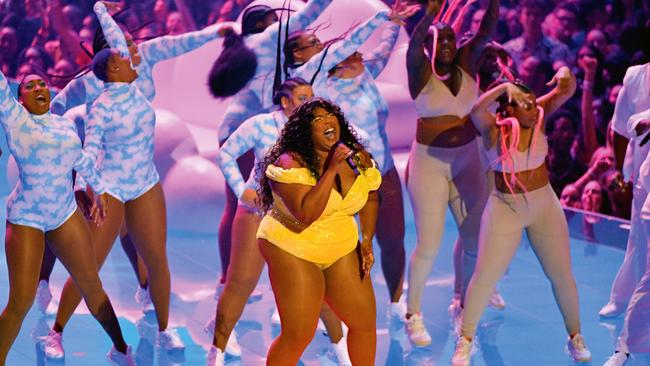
436,99
522,200
444,164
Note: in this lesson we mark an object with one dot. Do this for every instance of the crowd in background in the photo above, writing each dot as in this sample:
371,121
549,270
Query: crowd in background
598,39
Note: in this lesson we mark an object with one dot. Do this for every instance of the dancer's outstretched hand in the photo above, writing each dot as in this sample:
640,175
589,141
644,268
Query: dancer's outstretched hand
366,257
402,10
112,7
84,203
562,79
515,94
98,211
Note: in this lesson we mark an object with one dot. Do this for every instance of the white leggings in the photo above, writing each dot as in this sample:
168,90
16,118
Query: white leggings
635,337
634,264
436,178
505,217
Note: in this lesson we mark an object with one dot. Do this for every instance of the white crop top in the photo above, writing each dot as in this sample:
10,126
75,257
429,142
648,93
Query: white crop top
436,99
530,159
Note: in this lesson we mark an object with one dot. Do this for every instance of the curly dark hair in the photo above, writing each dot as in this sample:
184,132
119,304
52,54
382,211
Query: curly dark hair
296,139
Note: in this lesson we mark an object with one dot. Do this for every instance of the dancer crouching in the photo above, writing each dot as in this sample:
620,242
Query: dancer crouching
42,205
522,200
309,235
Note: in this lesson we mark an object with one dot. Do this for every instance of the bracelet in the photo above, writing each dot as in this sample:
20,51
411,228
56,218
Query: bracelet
587,85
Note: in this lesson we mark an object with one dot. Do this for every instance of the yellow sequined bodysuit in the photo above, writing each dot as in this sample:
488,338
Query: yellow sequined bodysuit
334,234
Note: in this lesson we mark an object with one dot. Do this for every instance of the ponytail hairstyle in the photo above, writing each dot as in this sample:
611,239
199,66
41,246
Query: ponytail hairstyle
286,88
234,68
237,64
290,45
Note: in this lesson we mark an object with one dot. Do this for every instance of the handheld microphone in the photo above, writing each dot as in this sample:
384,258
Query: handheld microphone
349,159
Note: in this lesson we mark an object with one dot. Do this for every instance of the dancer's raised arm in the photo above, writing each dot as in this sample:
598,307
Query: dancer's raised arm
376,61
13,113
112,32
163,48
470,53
418,65
565,86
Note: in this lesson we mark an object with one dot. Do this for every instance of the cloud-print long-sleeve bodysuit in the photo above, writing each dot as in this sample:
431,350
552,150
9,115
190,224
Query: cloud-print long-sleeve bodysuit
121,126
363,104
46,148
258,133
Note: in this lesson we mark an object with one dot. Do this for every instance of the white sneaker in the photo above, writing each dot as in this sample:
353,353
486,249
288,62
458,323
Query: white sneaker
612,310
216,357
617,359
170,341
232,347
121,359
454,307
143,298
275,317
52,345
341,351
43,296
397,310
417,331
147,327
457,322
462,353
496,301
577,349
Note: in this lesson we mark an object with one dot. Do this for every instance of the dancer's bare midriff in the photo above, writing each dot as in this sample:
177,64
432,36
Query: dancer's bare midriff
445,131
530,179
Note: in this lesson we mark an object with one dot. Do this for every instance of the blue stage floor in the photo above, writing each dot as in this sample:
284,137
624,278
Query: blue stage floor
528,332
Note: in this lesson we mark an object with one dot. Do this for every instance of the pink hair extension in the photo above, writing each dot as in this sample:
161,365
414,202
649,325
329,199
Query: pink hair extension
511,130
450,11
505,71
433,56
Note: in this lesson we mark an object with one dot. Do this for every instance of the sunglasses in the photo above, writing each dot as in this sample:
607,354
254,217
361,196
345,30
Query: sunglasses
312,42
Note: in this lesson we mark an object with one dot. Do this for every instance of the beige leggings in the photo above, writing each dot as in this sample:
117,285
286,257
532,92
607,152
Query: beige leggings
505,217
439,178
